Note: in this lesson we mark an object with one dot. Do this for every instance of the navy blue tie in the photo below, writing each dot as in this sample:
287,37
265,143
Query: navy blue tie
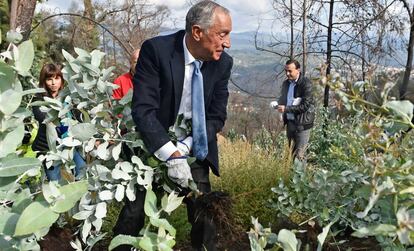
200,146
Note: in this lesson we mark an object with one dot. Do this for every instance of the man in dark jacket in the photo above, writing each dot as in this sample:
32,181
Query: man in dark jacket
296,105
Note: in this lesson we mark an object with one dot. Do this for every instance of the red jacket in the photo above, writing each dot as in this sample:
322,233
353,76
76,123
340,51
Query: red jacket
125,83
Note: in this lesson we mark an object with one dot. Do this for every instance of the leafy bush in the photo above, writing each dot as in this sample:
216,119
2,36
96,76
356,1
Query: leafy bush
27,213
360,172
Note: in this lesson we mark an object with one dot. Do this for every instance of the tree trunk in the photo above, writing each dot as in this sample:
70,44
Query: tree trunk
304,42
21,15
291,29
329,52
409,65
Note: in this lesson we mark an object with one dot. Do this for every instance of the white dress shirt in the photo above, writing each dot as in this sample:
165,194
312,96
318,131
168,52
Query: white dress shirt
185,106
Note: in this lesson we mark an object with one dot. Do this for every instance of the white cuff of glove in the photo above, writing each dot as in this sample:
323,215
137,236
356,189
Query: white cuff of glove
184,146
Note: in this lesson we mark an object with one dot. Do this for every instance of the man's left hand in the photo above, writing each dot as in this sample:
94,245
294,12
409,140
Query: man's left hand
281,108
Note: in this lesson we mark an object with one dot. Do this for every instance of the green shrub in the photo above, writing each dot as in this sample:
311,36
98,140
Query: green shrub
360,177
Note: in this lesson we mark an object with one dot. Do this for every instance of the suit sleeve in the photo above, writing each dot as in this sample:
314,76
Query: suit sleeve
283,94
217,110
146,98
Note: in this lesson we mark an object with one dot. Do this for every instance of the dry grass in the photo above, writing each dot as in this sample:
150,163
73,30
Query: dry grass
247,174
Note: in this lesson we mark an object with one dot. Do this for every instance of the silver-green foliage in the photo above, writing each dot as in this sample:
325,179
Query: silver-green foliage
369,184
96,133
262,238
94,123
15,63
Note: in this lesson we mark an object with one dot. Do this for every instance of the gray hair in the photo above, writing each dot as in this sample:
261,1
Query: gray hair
202,14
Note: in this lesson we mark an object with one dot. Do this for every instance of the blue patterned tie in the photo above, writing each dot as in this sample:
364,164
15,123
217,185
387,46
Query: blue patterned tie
200,148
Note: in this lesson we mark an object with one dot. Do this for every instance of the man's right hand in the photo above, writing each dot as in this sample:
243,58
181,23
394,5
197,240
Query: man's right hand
281,108
179,171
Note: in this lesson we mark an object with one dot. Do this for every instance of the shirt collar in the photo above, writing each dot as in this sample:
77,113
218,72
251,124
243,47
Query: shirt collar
188,58
294,81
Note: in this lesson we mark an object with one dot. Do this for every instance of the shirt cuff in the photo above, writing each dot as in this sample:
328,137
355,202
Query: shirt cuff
165,151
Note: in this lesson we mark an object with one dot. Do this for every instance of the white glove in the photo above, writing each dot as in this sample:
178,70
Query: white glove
184,146
179,171
274,104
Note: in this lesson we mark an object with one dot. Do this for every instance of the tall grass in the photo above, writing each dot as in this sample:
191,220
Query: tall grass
247,173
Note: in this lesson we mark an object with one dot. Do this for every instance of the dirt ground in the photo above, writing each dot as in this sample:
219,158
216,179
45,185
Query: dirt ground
231,236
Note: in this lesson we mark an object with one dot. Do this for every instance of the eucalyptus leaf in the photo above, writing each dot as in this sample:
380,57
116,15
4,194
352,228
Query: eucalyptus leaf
22,200
101,86
70,142
8,222
96,58
82,53
10,99
322,236
101,151
97,223
17,166
120,192
27,224
68,57
148,242
106,73
171,202
13,36
33,91
401,108
380,229
124,240
93,70
119,174
86,229
50,191
150,204
288,240
106,195
7,77
82,215
71,194
100,211
130,190
51,136
127,98
163,223
116,151
25,60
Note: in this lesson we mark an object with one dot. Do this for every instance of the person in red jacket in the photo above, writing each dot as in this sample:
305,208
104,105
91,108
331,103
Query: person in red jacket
125,80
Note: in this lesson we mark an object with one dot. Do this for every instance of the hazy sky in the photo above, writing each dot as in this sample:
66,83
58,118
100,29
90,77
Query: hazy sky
246,14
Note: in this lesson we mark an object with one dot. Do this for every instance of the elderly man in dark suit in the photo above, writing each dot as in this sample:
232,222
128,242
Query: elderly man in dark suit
166,85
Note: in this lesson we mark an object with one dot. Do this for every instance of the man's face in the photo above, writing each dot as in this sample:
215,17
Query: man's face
213,41
291,72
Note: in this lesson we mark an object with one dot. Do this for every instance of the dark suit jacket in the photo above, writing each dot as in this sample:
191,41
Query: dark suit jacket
303,89
158,86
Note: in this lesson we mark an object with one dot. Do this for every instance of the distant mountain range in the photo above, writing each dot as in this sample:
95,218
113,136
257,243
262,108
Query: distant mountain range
261,73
